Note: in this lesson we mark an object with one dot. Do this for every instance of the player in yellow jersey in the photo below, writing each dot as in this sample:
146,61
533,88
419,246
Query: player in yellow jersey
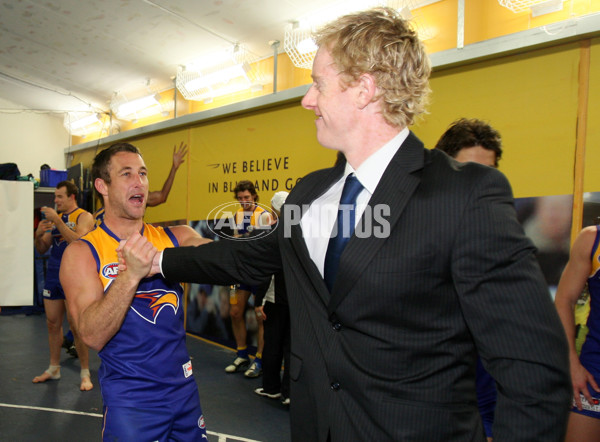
59,228
583,269
249,216
135,323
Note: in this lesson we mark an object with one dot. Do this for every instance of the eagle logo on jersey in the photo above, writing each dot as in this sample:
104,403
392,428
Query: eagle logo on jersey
153,302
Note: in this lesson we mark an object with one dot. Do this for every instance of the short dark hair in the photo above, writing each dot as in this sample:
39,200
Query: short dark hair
464,133
102,160
246,185
71,188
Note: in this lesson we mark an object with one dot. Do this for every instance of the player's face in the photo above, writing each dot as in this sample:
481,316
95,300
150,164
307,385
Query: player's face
128,189
477,154
62,201
331,104
246,199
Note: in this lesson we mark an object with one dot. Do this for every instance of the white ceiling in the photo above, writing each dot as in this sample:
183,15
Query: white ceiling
65,55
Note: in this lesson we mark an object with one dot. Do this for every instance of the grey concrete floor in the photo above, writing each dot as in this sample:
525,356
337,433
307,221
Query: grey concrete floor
58,411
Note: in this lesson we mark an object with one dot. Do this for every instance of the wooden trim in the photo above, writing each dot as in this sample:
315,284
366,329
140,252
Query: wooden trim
581,137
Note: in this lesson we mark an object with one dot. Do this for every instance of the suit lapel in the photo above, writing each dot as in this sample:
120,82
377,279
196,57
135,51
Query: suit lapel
395,189
302,200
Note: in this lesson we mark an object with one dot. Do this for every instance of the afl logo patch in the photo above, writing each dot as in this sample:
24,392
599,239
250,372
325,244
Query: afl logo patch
110,271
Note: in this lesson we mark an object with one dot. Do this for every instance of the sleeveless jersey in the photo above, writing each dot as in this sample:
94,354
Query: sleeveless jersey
146,362
59,244
99,216
590,351
246,221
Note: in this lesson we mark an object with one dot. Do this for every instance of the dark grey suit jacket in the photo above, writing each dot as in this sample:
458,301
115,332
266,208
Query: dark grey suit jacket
390,354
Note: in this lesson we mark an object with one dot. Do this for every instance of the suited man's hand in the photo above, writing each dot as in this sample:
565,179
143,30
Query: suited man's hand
260,313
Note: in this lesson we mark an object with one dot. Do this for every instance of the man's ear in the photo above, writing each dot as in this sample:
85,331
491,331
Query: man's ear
100,186
367,90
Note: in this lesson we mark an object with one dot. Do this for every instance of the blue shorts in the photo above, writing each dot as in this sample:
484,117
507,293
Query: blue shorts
591,410
248,288
182,421
53,290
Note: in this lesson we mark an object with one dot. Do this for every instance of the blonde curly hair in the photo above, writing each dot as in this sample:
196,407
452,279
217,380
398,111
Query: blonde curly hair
380,42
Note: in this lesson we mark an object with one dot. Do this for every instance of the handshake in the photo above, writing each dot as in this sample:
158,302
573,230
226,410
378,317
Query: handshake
138,257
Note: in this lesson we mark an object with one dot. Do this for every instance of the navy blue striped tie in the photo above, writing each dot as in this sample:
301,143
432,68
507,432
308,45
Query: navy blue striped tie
343,228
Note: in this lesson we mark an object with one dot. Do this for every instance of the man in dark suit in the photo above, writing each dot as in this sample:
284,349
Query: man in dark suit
437,271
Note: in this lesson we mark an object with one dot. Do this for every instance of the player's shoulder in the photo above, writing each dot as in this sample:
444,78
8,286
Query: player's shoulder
77,250
587,236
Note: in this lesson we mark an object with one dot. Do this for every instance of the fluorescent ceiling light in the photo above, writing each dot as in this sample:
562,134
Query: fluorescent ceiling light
85,121
82,123
220,76
209,94
133,107
538,7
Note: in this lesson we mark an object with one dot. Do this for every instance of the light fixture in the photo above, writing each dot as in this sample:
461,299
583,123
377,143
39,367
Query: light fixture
225,75
298,40
299,45
537,7
139,108
82,123
218,74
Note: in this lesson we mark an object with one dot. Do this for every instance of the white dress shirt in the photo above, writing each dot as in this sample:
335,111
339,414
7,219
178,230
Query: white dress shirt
318,221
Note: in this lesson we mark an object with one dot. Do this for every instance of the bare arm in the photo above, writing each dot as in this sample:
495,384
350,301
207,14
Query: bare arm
85,223
186,236
572,283
98,316
160,196
43,237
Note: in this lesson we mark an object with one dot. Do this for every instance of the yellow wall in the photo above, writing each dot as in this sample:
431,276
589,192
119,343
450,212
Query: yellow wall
487,19
273,148
592,151
531,99
439,21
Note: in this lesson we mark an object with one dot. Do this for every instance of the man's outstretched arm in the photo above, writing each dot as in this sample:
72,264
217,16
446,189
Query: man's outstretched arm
157,197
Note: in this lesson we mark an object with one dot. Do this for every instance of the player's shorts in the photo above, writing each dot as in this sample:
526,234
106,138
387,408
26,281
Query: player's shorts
593,409
246,287
182,420
53,290
233,295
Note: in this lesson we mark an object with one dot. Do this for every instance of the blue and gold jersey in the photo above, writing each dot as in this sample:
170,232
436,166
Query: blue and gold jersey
99,216
590,351
59,244
246,221
146,362
594,279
